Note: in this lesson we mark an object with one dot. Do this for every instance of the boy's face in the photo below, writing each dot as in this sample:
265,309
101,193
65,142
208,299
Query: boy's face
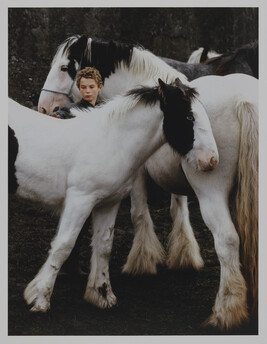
89,90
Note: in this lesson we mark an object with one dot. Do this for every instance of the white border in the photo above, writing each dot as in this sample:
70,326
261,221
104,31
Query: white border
261,338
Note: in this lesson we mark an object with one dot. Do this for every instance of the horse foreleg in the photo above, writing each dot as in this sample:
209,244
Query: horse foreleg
146,251
230,307
76,210
183,249
98,290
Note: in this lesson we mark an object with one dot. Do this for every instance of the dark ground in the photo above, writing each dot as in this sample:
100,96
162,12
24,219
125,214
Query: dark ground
169,303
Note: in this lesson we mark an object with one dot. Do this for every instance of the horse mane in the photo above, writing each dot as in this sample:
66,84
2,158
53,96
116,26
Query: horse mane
107,56
248,53
148,66
63,48
118,107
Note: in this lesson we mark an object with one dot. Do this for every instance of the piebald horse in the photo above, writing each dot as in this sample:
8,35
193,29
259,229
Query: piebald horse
93,174
231,104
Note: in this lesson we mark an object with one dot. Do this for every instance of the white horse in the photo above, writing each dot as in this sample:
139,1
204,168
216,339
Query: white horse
231,104
89,164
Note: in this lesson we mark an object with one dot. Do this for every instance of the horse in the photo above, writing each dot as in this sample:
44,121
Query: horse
243,60
232,109
201,55
93,174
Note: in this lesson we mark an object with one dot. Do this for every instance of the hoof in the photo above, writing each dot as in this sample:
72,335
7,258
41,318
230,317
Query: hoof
37,297
100,299
185,262
184,254
226,321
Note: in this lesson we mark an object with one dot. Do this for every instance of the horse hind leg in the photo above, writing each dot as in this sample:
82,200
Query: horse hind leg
76,210
183,249
98,290
146,252
230,308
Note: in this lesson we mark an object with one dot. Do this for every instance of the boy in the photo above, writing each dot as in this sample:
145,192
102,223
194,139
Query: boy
89,83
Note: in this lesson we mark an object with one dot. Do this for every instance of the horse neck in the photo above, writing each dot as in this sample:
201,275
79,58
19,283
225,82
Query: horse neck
139,129
145,68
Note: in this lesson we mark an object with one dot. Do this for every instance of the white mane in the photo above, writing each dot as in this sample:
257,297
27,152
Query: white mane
115,109
143,63
149,66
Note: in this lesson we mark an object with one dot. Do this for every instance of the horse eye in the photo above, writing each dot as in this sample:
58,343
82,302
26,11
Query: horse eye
190,117
64,68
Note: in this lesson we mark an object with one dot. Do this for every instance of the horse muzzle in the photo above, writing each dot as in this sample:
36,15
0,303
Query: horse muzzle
207,161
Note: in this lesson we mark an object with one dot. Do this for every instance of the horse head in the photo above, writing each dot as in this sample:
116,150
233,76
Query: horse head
60,85
186,125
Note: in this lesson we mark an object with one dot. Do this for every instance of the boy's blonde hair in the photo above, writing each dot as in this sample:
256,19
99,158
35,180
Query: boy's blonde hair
89,73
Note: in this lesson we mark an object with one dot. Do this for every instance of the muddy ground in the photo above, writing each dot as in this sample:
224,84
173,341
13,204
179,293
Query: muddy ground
169,303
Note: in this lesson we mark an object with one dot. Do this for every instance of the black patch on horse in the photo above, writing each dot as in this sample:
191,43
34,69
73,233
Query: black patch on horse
103,290
13,148
104,56
148,95
175,102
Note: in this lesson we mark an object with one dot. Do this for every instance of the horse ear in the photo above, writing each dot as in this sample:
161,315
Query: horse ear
188,93
77,49
204,55
162,90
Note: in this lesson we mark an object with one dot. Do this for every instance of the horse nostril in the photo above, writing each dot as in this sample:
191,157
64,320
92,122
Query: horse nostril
56,108
213,162
43,110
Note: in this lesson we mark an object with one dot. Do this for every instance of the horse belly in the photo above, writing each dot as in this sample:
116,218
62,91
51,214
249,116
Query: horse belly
164,167
40,176
35,186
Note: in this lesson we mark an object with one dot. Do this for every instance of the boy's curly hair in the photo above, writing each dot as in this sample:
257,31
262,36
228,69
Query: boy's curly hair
89,73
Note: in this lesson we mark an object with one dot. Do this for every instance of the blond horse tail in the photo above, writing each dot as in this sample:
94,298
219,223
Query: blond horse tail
247,196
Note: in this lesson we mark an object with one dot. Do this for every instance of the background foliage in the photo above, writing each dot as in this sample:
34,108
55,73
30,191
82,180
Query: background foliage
35,33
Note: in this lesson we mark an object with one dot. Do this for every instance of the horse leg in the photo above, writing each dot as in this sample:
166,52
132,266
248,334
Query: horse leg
183,249
98,290
72,265
146,251
76,210
230,307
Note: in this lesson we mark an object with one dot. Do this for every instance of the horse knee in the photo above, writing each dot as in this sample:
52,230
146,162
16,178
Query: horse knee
227,246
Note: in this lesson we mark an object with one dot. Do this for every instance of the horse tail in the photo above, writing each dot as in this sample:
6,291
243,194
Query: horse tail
247,196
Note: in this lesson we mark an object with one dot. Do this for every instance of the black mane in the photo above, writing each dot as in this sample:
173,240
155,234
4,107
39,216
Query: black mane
105,56
68,42
148,95
175,102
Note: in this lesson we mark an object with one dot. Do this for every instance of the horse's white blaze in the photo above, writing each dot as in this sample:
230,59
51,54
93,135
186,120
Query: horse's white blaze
60,81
